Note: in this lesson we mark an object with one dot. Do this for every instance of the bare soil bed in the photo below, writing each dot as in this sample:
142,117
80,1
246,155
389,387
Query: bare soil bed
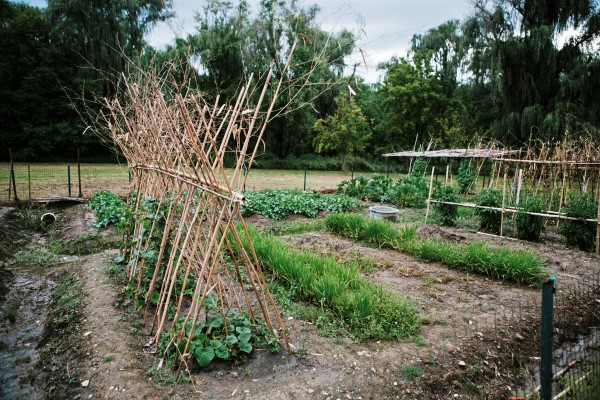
465,349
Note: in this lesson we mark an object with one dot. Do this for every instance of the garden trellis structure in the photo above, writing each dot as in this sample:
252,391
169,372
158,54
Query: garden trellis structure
176,144
557,169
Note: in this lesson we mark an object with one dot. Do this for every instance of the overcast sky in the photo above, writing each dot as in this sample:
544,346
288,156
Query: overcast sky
385,26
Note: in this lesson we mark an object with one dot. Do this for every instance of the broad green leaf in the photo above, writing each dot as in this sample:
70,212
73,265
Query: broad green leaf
204,355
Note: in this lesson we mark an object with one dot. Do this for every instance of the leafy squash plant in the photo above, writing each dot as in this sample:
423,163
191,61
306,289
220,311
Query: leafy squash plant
220,336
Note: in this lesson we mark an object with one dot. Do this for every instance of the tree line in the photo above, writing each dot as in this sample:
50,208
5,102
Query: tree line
515,71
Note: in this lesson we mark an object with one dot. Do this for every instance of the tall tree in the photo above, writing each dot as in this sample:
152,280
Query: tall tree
536,82
106,33
346,132
35,114
416,106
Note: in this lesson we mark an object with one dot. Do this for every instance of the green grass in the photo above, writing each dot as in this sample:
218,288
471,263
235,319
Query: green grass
34,257
89,243
412,371
47,179
369,312
10,312
66,302
477,257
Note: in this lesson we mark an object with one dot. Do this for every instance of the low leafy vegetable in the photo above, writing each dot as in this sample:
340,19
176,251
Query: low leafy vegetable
279,204
108,207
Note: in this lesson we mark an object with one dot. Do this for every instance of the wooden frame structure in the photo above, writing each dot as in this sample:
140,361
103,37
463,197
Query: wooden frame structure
557,168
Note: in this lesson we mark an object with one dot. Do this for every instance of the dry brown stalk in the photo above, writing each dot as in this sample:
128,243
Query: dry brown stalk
175,144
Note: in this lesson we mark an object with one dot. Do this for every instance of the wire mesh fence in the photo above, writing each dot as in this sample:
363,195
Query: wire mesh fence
508,345
33,181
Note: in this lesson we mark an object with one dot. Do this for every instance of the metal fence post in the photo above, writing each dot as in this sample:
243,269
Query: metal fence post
29,181
69,178
305,179
546,345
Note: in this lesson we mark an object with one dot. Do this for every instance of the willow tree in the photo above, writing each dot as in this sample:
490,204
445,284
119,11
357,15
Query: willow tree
539,63
105,33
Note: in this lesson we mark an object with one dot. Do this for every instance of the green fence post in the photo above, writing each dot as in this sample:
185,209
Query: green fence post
305,179
69,178
14,183
244,172
546,347
29,181
9,181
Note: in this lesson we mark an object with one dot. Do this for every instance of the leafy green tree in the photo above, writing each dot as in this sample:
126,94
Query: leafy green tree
35,113
346,132
415,104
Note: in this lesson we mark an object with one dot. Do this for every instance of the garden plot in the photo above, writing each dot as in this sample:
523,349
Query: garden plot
458,311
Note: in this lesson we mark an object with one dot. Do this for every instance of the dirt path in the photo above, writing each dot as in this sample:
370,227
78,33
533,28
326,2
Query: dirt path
113,369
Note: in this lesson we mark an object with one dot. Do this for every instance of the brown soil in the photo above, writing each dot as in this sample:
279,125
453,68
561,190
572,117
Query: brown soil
461,318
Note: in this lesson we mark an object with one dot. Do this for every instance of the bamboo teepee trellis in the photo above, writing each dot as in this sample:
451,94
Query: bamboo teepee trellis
175,145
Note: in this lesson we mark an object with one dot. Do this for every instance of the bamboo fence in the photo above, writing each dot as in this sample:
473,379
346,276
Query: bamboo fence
557,170
175,145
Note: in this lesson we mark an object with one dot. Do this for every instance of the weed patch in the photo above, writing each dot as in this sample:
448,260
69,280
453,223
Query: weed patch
61,346
33,256
370,312
476,257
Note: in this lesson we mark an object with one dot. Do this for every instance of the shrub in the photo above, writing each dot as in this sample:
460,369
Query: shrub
409,191
489,220
446,213
465,177
375,189
580,234
530,227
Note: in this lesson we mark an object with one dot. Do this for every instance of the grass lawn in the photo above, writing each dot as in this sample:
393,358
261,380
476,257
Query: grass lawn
43,180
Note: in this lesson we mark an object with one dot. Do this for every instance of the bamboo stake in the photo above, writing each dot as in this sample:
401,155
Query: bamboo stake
503,203
598,227
429,196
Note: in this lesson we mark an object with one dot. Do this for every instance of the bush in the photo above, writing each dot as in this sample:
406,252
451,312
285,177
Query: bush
375,189
580,234
489,220
314,162
530,227
465,177
410,191
446,213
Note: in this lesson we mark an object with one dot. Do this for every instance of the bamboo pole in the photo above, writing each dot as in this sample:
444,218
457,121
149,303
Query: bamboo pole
598,227
503,203
430,192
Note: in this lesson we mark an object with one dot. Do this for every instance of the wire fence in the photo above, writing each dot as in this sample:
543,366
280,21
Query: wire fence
508,347
33,181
